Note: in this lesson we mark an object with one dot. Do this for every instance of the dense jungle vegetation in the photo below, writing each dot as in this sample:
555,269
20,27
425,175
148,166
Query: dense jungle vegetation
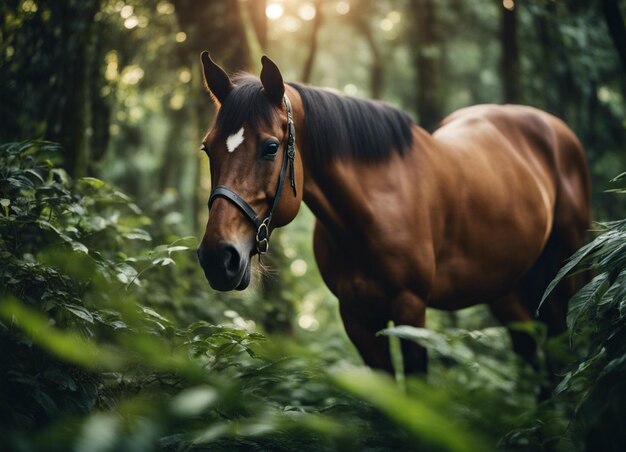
111,338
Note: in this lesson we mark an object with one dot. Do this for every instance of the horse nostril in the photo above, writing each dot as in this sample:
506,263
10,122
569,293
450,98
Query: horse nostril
230,259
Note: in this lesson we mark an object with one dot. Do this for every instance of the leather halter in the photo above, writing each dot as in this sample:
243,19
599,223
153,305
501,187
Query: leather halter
262,225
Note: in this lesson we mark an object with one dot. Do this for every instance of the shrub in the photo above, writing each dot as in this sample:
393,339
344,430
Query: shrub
596,384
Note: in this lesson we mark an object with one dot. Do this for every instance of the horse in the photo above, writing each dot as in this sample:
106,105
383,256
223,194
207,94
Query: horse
483,210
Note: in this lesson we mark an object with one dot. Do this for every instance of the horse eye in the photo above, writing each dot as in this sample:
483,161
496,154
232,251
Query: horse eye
270,149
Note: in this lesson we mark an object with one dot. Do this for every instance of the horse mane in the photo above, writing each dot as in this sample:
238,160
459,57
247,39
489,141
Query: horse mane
344,126
336,126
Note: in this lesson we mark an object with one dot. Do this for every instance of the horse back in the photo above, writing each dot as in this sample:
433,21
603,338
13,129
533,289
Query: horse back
538,138
524,175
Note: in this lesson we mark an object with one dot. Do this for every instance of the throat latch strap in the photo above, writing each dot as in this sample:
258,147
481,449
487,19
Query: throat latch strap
262,226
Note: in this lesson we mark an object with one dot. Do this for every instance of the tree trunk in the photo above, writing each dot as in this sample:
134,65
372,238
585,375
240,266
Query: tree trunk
616,26
71,126
259,21
227,42
377,70
100,106
427,61
308,65
170,173
225,38
510,67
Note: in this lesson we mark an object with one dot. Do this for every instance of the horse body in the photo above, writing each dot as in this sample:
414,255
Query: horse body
457,221
483,210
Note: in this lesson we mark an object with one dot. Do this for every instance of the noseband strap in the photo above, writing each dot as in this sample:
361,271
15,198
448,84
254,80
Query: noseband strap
262,225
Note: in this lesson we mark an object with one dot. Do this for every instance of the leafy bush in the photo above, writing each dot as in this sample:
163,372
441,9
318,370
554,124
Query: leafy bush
63,254
91,363
596,320
99,352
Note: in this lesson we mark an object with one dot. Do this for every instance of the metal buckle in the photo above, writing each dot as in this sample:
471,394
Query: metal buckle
262,237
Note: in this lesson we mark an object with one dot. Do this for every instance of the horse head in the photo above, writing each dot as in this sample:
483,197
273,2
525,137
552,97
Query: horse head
256,173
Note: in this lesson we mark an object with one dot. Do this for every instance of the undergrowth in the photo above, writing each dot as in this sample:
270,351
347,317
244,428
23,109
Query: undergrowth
100,352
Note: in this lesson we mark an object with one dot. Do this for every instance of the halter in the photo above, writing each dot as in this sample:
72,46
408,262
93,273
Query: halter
262,226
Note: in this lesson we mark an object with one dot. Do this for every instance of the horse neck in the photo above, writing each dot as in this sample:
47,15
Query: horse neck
345,194
341,193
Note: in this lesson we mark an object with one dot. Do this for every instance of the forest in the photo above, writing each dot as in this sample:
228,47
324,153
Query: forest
111,338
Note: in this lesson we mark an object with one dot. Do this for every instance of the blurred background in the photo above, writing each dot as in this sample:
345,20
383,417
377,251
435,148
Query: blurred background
118,85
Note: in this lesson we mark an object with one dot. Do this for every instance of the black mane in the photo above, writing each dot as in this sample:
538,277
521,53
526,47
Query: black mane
336,126
343,126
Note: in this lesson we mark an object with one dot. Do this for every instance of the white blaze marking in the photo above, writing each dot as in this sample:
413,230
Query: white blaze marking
233,141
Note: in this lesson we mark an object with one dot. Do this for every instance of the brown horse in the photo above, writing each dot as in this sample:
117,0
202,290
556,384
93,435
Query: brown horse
484,210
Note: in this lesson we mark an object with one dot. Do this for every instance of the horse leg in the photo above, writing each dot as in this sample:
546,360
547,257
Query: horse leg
554,311
521,303
361,324
361,330
408,309
512,308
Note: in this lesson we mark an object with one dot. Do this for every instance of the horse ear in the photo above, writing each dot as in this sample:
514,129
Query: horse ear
272,81
215,78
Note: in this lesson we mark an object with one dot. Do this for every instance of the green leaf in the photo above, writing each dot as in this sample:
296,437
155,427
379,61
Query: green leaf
585,299
163,261
126,273
5,203
46,403
35,174
47,226
211,433
432,340
173,249
79,311
138,234
619,177
427,415
193,401
63,379
67,346
572,262
79,247
92,182
99,433
154,314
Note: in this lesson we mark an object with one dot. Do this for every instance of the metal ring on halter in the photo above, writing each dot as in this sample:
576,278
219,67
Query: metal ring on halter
262,235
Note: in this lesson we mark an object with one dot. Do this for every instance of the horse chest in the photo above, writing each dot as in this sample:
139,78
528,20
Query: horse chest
360,289
374,270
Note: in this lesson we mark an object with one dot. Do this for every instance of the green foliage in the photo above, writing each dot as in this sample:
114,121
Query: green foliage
99,353
477,371
596,322
422,412
90,362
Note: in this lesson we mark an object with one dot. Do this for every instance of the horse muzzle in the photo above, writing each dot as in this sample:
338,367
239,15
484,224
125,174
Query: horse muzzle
226,267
